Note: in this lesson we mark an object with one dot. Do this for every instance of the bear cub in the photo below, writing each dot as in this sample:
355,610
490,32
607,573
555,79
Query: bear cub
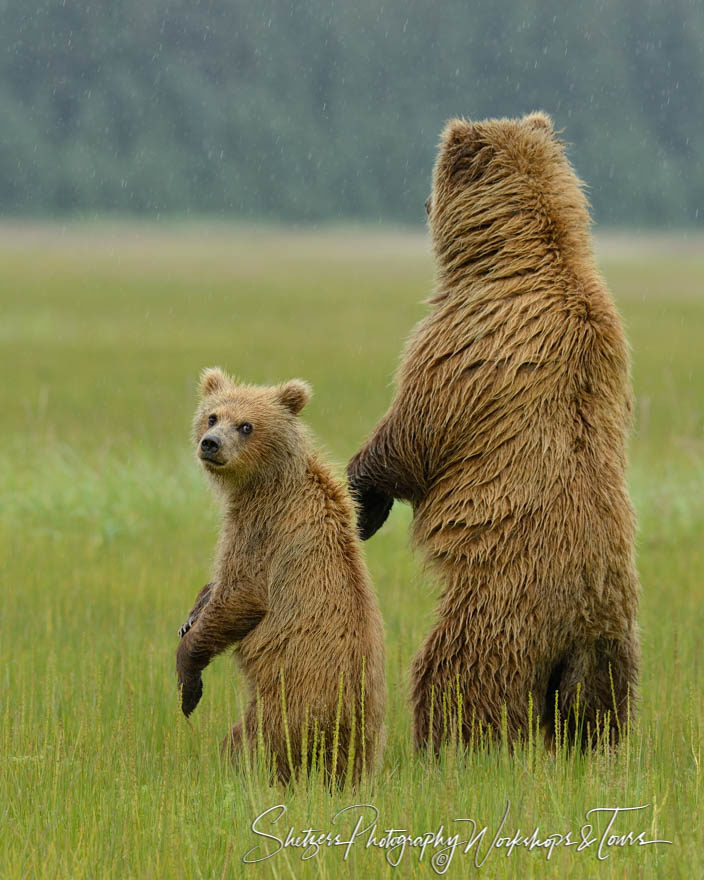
290,588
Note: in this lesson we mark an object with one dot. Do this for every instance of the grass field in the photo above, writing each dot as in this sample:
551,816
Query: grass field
107,530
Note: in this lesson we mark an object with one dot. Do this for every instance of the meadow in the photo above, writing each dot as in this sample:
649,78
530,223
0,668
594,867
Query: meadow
107,530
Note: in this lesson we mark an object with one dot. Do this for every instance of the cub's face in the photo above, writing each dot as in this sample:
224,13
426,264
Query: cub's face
240,430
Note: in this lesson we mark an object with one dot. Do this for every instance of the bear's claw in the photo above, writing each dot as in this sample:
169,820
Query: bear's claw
183,629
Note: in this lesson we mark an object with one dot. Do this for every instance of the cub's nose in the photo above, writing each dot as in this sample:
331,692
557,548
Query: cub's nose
210,444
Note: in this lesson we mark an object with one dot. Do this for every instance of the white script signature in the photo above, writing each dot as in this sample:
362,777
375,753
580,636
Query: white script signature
358,826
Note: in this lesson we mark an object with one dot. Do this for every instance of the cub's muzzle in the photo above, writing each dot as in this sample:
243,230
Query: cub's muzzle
209,448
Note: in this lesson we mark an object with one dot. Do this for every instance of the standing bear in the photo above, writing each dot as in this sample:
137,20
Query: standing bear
508,437
290,587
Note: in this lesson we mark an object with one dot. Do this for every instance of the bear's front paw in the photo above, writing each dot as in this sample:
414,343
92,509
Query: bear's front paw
373,508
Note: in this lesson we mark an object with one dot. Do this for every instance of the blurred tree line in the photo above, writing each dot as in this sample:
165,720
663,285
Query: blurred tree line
326,109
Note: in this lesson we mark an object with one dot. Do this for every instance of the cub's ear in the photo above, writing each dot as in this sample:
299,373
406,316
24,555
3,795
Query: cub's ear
294,395
212,380
539,120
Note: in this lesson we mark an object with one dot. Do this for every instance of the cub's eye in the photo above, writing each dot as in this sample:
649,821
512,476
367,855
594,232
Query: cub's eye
212,419
245,428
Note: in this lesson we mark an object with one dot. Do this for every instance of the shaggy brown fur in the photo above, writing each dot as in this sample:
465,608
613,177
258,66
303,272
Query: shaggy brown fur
507,434
290,586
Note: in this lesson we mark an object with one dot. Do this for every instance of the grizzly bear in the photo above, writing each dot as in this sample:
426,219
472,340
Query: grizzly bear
507,435
290,588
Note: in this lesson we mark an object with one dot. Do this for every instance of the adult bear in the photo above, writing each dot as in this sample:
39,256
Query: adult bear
508,436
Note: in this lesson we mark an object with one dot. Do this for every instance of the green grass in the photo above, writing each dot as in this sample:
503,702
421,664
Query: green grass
107,531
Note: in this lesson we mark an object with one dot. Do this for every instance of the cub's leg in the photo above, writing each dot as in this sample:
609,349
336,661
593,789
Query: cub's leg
231,613
202,600
233,742
241,743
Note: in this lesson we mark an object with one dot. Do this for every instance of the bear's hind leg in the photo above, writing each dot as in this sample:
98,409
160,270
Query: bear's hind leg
596,692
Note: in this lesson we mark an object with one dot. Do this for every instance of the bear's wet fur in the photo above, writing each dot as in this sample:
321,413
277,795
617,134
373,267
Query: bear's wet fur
508,434
290,587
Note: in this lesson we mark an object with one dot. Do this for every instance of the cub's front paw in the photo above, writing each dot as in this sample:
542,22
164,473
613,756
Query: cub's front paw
190,683
191,692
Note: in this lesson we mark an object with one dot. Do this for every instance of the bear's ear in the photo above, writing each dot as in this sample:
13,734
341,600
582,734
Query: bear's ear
540,121
459,134
212,380
294,395
465,151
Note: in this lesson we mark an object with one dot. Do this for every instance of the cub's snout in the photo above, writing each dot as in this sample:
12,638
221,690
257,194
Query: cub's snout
209,447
